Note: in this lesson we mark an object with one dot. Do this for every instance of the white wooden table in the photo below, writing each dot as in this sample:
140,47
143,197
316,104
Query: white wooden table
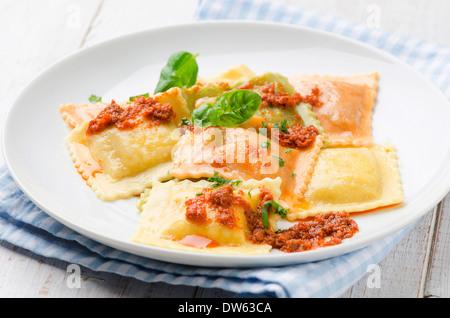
34,34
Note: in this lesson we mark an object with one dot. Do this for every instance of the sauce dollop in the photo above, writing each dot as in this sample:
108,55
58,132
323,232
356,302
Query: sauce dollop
144,109
270,96
324,229
221,200
299,136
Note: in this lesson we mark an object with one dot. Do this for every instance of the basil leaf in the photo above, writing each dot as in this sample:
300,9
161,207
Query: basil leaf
231,109
265,144
205,116
283,127
95,99
220,181
185,122
276,208
133,97
280,161
235,183
180,71
238,106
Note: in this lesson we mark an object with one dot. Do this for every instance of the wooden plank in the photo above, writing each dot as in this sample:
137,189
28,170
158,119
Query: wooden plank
402,271
438,277
44,31
116,19
44,277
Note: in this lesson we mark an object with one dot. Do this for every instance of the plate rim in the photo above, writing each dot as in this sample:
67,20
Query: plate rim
217,260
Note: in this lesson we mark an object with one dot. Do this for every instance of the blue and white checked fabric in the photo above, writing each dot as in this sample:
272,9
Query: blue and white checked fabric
25,225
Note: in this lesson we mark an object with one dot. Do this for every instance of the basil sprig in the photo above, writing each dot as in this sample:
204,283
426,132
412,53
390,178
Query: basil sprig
230,109
276,208
220,181
180,71
95,99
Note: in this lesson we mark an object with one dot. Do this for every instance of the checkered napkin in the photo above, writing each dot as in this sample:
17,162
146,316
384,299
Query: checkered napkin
25,225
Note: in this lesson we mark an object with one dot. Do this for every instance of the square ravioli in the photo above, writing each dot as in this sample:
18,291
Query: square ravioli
244,154
124,149
119,176
193,216
352,180
346,105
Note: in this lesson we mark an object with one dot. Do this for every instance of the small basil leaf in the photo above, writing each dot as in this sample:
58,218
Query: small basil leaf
180,71
238,106
231,109
205,116
145,95
276,208
95,99
185,122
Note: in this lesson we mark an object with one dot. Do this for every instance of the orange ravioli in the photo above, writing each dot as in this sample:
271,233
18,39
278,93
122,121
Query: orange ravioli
75,115
347,105
243,154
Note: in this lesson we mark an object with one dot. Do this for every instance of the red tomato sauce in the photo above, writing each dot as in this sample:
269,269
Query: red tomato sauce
271,97
299,136
325,229
221,200
144,110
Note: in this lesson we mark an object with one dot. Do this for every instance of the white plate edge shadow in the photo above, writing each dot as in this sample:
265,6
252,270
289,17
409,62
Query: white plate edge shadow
437,190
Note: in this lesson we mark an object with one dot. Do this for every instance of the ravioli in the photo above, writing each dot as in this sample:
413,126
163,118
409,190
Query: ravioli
352,179
75,115
243,154
241,77
119,163
120,175
347,106
165,222
240,73
223,190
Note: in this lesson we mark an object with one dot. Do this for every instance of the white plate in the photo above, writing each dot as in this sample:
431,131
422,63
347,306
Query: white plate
410,112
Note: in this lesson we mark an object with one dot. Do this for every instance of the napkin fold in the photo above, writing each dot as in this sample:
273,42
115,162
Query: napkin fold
23,224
